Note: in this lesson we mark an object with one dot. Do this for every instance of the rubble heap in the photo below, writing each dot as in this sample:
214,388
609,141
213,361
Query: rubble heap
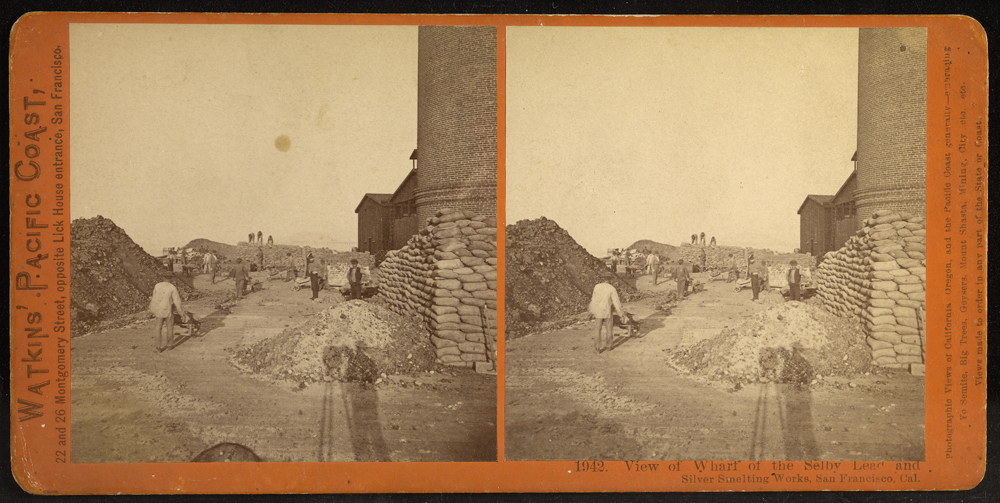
549,276
278,256
201,245
793,342
352,341
879,277
717,257
447,276
111,276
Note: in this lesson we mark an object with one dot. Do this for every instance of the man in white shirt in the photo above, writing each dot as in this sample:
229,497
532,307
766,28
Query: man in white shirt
165,298
604,298
653,261
211,262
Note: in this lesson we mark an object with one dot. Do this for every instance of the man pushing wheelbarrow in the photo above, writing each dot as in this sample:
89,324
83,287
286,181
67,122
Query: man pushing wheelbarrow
604,299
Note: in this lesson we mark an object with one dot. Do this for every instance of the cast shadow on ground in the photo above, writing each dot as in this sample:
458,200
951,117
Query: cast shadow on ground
360,401
217,319
647,325
786,396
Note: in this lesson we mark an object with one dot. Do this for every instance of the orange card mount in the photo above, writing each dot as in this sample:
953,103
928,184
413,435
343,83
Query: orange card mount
307,253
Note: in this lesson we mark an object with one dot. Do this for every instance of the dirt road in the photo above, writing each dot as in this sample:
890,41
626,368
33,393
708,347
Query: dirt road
132,404
564,401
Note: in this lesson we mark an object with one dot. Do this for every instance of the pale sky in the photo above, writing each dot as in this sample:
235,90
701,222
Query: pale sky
621,134
175,128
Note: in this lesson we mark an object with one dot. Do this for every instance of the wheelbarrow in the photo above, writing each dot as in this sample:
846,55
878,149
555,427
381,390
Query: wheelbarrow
741,284
187,328
301,283
629,323
746,283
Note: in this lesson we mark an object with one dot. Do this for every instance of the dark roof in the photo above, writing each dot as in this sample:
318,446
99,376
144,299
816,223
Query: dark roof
853,157
411,174
378,198
413,155
821,200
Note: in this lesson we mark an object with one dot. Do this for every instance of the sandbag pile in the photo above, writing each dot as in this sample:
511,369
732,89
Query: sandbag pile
447,275
879,276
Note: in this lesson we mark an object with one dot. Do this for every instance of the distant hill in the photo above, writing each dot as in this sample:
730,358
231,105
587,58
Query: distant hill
668,251
221,249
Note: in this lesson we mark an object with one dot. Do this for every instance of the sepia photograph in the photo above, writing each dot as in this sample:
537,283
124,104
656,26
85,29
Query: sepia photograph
284,242
715,246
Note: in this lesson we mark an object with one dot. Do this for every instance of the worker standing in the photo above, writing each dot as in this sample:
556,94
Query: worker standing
683,277
260,238
313,270
290,263
653,261
734,269
165,298
601,302
211,264
270,241
703,239
354,277
240,275
757,274
794,279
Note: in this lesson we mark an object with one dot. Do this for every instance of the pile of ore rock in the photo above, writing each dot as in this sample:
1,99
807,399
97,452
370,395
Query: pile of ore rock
111,275
717,257
354,341
792,342
447,275
549,276
294,257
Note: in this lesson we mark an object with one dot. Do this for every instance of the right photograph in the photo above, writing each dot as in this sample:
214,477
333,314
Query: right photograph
715,243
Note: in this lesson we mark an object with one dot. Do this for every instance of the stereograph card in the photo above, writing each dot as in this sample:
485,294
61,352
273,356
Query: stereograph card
306,253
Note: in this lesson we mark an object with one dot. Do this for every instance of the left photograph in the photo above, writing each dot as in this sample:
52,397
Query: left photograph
283,243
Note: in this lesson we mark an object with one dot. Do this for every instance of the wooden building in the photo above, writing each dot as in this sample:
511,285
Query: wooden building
374,223
815,236
843,213
387,221
827,222
404,210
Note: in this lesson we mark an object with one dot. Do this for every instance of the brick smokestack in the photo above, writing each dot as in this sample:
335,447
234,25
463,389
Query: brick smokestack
457,120
892,120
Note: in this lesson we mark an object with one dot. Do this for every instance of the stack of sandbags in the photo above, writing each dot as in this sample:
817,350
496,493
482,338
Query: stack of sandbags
898,274
447,274
879,275
843,278
405,276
